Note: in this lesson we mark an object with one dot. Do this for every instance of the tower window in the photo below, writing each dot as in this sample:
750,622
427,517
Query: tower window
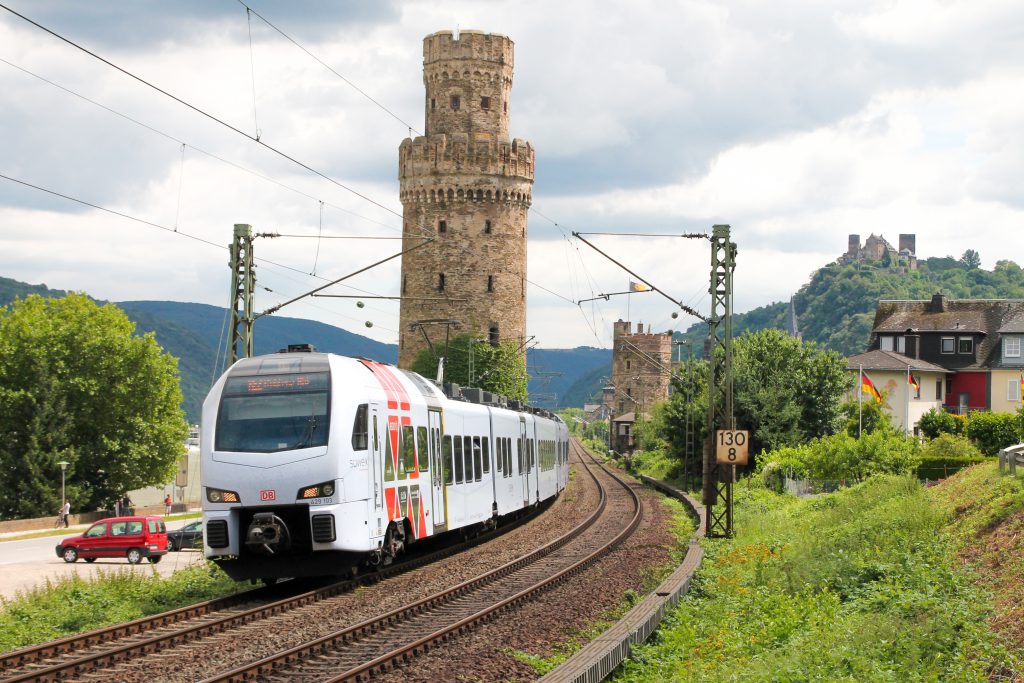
433,104
492,334
485,103
442,226
487,227
505,106
440,282
627,365
490,283
404,282
456,101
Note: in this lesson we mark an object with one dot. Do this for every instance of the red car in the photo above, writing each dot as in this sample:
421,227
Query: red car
130,537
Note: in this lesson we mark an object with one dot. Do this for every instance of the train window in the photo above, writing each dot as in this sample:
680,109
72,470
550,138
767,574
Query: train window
485,444
468,453
519,454
529,452
458,459
389,462
408,463
447,441
477,458
499,454
422,456
269,413
508,457
360,429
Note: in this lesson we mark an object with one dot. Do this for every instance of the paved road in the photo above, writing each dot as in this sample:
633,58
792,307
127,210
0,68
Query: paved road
31,562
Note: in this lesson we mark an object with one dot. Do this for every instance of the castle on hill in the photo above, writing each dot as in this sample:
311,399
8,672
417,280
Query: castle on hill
877,248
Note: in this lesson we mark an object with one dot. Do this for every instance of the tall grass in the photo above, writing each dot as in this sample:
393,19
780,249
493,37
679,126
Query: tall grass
853,586
73,604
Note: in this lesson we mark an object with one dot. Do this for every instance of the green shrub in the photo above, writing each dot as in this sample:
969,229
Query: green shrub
936,422
993,431
841,457
945,455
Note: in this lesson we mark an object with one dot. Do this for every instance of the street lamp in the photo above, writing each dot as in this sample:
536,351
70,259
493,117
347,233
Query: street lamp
63,466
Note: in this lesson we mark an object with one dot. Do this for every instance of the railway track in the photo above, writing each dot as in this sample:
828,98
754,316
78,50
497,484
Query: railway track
355,652
81,653
376,645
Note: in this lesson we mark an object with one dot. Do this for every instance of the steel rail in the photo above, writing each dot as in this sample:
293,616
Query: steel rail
37,653
317,647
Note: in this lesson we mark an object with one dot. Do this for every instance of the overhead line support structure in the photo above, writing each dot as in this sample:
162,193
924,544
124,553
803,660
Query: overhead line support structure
719,479
243,284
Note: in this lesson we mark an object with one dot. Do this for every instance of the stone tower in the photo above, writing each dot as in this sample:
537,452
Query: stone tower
469,187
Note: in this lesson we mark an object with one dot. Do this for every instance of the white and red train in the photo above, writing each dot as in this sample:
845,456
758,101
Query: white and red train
314,463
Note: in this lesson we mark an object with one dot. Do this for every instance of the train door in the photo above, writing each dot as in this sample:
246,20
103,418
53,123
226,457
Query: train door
524,461
377,432
436,470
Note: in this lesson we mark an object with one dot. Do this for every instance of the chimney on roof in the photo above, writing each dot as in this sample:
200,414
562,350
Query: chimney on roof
938,304
913,344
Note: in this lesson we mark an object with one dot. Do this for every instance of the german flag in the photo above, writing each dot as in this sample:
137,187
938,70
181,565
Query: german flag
914,384
868,387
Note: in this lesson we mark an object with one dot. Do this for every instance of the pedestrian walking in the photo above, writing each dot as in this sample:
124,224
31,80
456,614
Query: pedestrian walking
167,504
65,512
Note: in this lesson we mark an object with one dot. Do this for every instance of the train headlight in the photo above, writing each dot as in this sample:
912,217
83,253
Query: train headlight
324,490
221,496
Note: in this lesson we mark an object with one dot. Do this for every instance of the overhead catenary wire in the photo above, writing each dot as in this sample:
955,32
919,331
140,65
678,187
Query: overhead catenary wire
322,63
202,151
203,112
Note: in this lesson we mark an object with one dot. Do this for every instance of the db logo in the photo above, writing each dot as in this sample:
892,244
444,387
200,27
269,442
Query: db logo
268,494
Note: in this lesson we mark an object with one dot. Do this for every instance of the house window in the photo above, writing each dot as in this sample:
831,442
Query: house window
442,226
440,282
1011,347
938,390
901,344
965,345
485,103
490,283
487,227
885,343
1013,390
948,345
456,101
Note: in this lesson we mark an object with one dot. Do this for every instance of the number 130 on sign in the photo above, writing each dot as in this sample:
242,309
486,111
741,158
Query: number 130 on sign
731,446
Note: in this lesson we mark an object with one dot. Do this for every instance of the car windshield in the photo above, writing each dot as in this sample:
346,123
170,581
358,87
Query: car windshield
270,413
95,531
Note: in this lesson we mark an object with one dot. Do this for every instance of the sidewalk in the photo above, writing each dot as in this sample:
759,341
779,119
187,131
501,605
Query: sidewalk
46,524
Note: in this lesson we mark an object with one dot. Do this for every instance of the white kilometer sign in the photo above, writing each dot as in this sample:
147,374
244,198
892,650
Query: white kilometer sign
731,446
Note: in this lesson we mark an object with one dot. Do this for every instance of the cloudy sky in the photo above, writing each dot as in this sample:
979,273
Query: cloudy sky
796,122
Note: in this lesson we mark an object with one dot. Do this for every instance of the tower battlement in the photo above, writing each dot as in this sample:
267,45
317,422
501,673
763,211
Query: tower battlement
489,47
458,153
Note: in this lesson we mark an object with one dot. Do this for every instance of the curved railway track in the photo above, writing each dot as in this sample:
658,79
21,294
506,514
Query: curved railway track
67,657
355,652
376,645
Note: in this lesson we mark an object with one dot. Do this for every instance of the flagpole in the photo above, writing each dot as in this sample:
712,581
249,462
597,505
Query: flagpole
860,402
906,423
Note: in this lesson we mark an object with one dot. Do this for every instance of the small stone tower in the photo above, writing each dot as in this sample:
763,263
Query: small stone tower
640,367
469,187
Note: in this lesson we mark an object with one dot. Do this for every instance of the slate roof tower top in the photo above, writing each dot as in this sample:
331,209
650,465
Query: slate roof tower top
465,184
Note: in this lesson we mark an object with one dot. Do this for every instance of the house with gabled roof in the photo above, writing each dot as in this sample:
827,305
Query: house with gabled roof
911,386
976,341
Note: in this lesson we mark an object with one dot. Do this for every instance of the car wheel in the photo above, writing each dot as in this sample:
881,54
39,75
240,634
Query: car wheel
69,554
155,559
134,556
89,559
172,546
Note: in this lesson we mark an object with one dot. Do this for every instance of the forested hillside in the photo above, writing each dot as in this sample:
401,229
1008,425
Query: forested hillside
837,307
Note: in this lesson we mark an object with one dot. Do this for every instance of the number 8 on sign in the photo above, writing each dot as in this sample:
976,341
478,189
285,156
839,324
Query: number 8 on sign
731,446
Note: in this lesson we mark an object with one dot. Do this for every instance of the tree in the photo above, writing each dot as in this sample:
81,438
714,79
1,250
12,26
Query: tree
970,260
786,391
77,385
865,415
500,368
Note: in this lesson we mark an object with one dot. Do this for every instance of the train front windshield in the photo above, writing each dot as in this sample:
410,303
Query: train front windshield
270,413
